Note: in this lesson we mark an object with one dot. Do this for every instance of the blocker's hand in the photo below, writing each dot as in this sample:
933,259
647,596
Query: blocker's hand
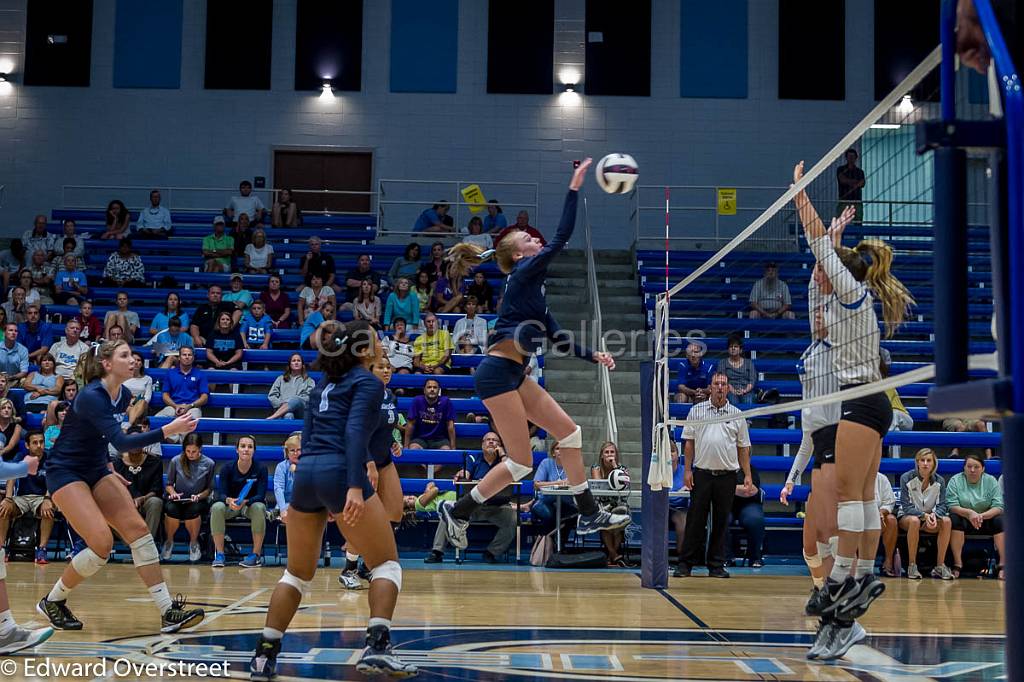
580,174
605,359
798,172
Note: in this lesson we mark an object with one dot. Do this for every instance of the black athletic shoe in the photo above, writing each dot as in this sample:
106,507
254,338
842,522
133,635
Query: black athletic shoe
682,571
434,557
364,572
177,617
718,572
263,666
816,603
59,615
378,657
869,588
838,595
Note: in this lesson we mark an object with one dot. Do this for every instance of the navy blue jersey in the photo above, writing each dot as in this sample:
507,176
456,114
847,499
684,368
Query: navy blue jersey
91,426
384,435
341,417
524,314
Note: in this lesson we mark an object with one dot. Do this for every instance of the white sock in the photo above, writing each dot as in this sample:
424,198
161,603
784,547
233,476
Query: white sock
161,596
841,569
7,623
272,634
350,556
59,592
818,582
386,622
477,496
863,568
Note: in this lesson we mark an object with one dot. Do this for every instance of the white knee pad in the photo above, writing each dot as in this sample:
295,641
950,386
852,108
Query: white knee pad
144,551
87,563
389,570
872,516
574,440
3,564
518,471
833,545
851,517
301,586
824,549
812,561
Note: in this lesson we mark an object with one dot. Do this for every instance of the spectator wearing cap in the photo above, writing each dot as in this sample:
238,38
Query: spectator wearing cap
432,219
238,296
218,248
124,268
695,376
769,297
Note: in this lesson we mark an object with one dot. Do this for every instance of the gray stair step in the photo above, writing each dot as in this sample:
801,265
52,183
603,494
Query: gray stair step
626,286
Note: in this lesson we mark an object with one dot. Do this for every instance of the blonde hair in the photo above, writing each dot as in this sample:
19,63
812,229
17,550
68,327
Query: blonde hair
877,274
90,363
7,402
292,441
463,257
921,454
600,457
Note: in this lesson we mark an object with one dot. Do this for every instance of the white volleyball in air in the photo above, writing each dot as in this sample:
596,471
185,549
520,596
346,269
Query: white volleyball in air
618,479
617,173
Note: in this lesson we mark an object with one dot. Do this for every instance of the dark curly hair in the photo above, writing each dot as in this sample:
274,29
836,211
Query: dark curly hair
343,346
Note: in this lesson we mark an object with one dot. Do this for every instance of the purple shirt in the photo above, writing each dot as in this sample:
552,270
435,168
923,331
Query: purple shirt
431,420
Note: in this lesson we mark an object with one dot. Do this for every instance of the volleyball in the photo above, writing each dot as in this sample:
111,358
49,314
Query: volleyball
617,173
618,479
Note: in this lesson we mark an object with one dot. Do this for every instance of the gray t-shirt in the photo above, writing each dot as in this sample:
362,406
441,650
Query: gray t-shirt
770,296
201,475
739,377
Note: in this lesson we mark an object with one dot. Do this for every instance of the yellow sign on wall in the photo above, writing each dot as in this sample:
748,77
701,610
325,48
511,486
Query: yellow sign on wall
726,201
474,196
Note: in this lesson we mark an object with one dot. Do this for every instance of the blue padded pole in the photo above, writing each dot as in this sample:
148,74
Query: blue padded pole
654,505
950,266
947,69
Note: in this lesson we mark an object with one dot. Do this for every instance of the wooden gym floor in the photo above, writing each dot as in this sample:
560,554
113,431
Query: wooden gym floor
474,623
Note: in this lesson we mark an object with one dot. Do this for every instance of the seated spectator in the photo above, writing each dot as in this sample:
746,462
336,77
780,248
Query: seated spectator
78,249
695,376
52,431
154,221
124,268
69,349
608,461
957,425
172,308
259,255
494,221
13,396
290,392
522,224
551,474
168,344
16,306
284,475
13,259
115,333
92,327
187,495
975,505
241,234
496,511
431,422
472,326
117,217
224,346
741,372
769,297
402,304
10,428
399,348
43,385
29,495
748,511
206,315
13,355
367,305
923,508
37,239
43,274
355,277
285,212
448,293
432,219
483,291
141,388
70,285
434,267
406,265
238,296
242,491
145,476
309,335
277,303
256,327
424,291
315,262
70,244
901,419
677,502
247,203
185,389
311,298
477,236
35,333
126,319
218,248
432,350
886,500
64,400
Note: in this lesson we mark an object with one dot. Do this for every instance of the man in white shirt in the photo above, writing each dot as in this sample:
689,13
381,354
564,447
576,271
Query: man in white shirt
69,349
471,326
713,454
154,221
248,203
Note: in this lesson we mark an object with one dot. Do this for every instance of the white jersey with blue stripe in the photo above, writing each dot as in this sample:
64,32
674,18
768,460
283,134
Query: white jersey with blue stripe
817,378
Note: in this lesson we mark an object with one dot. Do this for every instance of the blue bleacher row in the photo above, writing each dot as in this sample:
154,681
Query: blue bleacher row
718,289
908,276
804,259
367,222
736,304
918,439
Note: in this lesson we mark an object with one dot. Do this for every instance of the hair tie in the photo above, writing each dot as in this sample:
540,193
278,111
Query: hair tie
96,348
484,255
341,342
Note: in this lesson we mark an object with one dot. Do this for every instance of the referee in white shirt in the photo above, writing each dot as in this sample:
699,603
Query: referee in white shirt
713,454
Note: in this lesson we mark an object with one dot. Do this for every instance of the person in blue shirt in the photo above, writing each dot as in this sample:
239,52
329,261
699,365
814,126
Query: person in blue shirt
432,219
35,333
495,220
170,342
284,475
309,335
695,376
331,477
524,325
185,388
550,474
234,479
172,308
81,481
257,327
13,355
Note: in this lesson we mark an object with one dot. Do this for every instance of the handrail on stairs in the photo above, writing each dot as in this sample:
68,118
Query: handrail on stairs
604,380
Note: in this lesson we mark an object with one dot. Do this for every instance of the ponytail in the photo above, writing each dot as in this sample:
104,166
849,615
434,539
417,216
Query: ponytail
90,363
875,270
462,258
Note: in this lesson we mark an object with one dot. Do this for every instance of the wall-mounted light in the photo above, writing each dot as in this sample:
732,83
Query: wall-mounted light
906,105
570,87
327,90
5,84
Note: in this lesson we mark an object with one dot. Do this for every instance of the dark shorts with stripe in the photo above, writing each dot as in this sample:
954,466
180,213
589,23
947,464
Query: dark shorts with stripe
321,482
495,376
824,440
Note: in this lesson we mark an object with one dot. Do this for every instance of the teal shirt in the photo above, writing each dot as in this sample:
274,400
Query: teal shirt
980,497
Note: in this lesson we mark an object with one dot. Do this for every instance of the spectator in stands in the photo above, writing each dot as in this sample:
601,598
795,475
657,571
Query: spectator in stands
483,291
432,219
432,350
311,298
169,342
472,326
69,246
278,304
31,293
522,224
290,392
355,277
428,501
850,180
241,234
424,291
13,355
124,268
309,335
741,372
608,460
10,428
69,349
712,455
496,511
975,507
141,388
247,203
172,308
188,490
78,244
476,234
38,239
435,266
70,284
922,507
695,376
285,212
769,297
185,389
218,248
155,220
957,425
145,476
237,296
494,221
399,349
677,502
259,255
115,333
901,419
402,304
35,334
448,293
284,475
43,385
748,512
32,497
60,411
431,422
886,500
117,219
122,317
406,265
67,396
43,274
551,474
315,262
242,491
92,327
206,315
367,305
224,345
256,327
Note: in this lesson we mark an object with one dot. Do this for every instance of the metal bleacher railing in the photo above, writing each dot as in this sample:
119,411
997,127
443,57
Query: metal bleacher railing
594,296
396,216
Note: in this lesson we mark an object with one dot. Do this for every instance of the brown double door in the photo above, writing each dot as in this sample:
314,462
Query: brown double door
307,173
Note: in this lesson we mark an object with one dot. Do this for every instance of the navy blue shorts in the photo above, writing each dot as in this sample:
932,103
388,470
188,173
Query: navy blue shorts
382,459
58,476
321,482
496,376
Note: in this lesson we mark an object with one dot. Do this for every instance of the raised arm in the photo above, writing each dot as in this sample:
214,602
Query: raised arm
565,226
813,227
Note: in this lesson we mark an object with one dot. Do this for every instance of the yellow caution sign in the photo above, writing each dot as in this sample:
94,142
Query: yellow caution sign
726,201
474,196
